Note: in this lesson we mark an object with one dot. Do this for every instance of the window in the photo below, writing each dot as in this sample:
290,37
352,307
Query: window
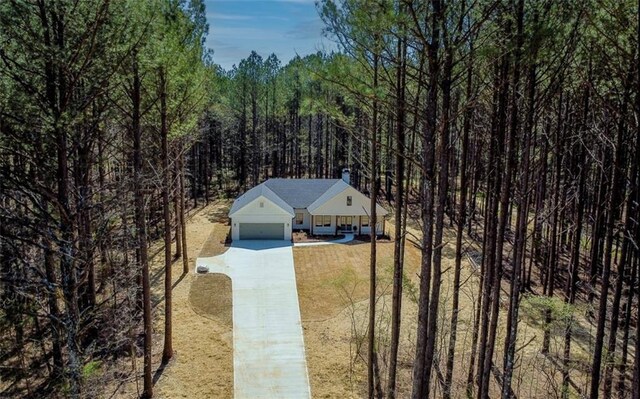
322,221
261,204
299,218
349,200
346,221
364,221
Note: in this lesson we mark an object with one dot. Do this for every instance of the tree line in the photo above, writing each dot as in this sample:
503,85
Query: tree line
519,121
100,105
512,123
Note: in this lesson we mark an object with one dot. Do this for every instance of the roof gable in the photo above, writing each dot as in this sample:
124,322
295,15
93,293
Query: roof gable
318,196
259,191
332,192
334,202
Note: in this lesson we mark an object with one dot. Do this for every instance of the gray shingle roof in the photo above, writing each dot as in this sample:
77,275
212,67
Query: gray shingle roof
300,193
256,192
297,193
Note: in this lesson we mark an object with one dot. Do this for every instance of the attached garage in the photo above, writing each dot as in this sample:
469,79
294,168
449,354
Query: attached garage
259,214
262,231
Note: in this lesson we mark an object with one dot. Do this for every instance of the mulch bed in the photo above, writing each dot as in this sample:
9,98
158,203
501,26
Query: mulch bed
305,237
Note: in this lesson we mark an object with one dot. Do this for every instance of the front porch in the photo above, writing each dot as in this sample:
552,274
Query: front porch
341,224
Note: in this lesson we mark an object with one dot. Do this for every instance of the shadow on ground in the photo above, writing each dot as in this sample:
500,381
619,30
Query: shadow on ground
219,215
257,245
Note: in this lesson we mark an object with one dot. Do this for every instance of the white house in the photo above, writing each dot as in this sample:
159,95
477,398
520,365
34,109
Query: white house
274,209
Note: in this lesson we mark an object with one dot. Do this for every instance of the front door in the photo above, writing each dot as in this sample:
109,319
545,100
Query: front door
346,223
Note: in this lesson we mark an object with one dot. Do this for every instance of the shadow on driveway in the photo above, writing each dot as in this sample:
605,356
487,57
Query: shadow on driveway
257,245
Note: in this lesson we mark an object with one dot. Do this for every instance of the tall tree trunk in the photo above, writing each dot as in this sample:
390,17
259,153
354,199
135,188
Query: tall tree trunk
167,351
372,355
574,268
54,311
398,249
522,201
552,259
176,203
443,189
420,365
462,214
67,250
622,369
597,234
49,263
636,367
141,230
498,200
183,229
617,296
504,213
612,210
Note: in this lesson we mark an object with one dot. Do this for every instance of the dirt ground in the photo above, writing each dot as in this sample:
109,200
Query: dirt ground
202,366
210,297
333,288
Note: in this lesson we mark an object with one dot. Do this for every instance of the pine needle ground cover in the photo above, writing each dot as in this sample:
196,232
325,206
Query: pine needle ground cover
202,330
333,284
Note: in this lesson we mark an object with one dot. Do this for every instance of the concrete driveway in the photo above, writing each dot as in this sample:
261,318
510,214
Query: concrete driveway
268,348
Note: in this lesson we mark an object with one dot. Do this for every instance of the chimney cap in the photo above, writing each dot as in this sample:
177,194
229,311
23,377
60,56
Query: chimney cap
346,175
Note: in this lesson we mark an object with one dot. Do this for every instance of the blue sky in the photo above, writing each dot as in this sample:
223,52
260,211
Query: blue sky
283,27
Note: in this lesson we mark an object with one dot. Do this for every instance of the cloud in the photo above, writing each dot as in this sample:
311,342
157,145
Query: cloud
304,30
243,33
228,17
284,27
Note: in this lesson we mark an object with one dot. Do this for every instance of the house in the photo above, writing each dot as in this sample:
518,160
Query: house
277,207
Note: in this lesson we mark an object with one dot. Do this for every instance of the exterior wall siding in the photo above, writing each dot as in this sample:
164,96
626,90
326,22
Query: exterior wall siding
331,230
306,224
324,230
360,204
267,213
263,210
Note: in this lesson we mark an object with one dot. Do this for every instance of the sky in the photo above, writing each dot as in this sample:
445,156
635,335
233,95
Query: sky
283,27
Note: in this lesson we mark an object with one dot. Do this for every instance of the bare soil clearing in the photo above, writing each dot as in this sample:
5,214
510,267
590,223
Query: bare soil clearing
333,285
202,338
333,288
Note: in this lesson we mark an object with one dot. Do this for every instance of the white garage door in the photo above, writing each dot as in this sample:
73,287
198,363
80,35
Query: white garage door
262,231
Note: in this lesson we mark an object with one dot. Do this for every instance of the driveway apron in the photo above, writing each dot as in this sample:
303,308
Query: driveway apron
268,347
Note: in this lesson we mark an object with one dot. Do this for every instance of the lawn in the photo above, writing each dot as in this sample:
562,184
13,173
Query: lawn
333,289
